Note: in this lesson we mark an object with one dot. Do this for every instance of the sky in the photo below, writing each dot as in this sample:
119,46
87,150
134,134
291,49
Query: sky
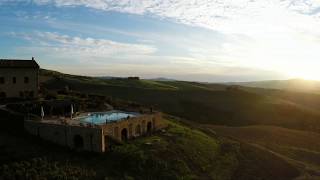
194,40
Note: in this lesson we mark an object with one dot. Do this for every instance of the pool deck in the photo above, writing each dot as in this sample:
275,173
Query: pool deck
75,121
96,138
106,117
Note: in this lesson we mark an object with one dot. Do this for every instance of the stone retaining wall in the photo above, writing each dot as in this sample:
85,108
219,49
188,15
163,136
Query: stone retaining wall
97,138
74,137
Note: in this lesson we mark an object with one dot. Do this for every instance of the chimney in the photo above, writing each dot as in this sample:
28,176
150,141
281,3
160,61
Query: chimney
32,58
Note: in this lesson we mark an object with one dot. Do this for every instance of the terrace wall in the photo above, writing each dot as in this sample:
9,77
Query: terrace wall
96,139
69,136
134,126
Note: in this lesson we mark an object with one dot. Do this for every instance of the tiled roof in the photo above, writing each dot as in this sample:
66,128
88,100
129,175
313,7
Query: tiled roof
16,63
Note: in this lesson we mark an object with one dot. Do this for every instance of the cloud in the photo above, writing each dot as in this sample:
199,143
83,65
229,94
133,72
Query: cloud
174,71
281,35
271,27
253,18
83,48
229,16
87,56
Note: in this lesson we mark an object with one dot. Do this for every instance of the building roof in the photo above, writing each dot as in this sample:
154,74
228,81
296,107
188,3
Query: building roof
17,63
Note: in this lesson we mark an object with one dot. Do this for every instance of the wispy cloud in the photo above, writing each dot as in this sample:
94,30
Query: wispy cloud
272,27
280,35
83,48
245,16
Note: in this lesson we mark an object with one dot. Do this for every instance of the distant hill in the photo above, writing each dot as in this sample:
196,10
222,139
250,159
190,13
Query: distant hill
266,134
204,103
162,79
292,85
48,75
108,77
299,85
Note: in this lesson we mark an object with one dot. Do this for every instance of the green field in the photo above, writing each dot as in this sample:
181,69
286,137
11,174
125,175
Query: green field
180,152
217,132
206,103
301,148
297,85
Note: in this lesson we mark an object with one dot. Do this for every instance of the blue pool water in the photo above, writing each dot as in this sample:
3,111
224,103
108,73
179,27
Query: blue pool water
106,117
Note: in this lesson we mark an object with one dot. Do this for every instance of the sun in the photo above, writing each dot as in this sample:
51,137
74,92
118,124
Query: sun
303,72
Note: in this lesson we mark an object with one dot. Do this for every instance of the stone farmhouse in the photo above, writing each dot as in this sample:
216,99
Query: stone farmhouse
18,78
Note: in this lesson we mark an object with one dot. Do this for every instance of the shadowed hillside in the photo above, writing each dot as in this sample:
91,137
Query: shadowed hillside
270,128
194,149
299,147
303,99
203,103
178,153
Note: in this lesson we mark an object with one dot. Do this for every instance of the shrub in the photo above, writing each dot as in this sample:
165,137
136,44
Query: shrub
51,95
41,168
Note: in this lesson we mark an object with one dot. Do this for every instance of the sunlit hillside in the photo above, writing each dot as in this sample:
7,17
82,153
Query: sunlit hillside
291,117
204,103
290,85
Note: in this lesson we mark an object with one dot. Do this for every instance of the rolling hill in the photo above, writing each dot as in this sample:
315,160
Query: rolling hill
298,147
180,152
291,85
202,103
268,130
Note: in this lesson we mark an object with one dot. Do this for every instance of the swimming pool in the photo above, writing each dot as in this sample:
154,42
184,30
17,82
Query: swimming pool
106,117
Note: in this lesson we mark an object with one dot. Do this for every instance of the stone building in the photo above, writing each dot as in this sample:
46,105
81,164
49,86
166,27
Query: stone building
18,78
93,137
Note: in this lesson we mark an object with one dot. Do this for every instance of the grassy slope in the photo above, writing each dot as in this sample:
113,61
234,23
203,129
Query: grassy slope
307,100
163,156
47,75
269,146
179,153
299,147
204,103
292,84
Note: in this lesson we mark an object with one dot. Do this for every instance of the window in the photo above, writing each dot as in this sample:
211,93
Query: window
31,94
130,130
14,80
3,95
78,142
138,130
1,80
116,132
26,80
143,126
21,94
